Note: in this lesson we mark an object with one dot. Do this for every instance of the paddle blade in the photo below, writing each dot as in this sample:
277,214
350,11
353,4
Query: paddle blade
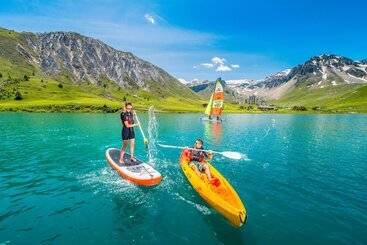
232,155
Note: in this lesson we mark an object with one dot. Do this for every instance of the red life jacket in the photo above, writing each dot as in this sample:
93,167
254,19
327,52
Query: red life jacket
197,155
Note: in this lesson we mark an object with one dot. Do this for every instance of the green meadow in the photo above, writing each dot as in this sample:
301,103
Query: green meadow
341,98
25,90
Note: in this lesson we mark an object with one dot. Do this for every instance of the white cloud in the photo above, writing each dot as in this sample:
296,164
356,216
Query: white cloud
218,61
207,65
181,80
219,64
150,18
223,68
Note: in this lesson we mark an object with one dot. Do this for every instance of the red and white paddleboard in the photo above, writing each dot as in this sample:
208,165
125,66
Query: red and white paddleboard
136,172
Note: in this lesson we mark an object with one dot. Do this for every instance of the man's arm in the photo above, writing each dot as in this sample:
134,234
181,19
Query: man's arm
128,125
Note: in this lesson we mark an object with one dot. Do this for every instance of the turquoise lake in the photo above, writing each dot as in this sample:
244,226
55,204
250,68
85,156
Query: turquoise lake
304,182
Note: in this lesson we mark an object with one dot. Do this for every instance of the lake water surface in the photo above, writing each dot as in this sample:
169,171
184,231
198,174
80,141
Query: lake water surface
304,182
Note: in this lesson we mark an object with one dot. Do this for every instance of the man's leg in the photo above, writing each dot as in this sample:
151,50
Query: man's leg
132,148
123,149
195,168
207,171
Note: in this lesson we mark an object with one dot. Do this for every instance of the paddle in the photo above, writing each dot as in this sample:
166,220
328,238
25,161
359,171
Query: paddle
141,130
228,154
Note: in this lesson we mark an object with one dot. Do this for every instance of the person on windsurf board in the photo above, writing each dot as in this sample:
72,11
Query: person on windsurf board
215,106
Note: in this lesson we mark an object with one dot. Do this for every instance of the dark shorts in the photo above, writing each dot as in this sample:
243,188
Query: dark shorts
127,134
200,165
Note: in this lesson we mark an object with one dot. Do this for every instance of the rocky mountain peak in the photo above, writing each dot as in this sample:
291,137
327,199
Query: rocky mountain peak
334,61
332,66
89,59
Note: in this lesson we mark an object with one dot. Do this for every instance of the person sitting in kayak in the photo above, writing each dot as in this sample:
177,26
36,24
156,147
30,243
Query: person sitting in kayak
198,159
128,134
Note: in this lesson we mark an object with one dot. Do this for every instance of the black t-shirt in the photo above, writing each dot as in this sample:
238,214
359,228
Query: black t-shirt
126,116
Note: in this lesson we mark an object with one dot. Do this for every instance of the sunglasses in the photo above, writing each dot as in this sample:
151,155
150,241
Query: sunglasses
129,108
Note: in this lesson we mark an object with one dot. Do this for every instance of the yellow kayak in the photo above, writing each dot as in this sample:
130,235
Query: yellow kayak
220,195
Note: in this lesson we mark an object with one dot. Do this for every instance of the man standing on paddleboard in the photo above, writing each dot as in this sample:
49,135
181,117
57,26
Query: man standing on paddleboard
128,134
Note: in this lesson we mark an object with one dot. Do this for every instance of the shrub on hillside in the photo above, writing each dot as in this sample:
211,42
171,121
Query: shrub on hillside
26,78
299,108
18,96
104,108
1,75
60,85
107,109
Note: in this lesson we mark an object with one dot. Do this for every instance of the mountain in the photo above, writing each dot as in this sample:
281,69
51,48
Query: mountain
322,81
87,58
240,82
87,65
205,89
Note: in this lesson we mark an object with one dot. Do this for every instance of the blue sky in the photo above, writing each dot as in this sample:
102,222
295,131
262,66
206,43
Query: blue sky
197,39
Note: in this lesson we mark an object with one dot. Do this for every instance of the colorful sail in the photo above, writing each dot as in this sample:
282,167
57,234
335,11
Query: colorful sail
208,109
218,99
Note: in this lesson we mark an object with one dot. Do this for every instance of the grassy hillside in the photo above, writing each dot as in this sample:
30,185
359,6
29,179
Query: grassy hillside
40,93
341,98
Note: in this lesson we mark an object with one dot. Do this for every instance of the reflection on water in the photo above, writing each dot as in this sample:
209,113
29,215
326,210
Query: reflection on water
213,131
305,182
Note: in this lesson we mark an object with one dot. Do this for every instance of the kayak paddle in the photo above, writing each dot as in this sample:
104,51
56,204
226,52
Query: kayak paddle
228,154
141,130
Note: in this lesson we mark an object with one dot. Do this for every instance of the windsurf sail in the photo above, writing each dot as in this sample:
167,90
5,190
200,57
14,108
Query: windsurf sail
215,106
208,109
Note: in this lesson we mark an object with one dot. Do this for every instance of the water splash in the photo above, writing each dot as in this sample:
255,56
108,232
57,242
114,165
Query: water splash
203,209
152,136
106,180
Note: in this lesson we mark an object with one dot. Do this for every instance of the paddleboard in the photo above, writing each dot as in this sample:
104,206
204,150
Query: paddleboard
137,172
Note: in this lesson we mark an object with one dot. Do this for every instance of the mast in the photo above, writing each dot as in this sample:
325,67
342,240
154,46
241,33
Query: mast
217,99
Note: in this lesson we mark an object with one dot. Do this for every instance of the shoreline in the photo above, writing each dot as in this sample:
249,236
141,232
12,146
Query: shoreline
163,106
78,108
